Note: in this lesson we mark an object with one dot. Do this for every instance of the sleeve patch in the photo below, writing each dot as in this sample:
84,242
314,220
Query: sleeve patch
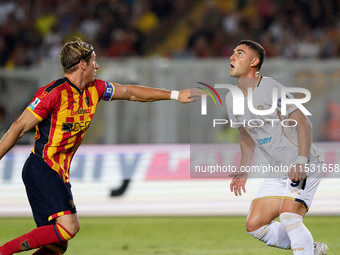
34,103
109,91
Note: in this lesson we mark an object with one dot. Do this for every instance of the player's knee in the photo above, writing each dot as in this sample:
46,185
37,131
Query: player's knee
252,224
70,225
73,228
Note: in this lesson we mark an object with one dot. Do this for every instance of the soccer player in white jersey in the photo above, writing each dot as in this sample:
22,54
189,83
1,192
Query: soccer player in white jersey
289,195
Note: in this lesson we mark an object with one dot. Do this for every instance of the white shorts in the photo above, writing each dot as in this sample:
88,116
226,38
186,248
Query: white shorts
284,188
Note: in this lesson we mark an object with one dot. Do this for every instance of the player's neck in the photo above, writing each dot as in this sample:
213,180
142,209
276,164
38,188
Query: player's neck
76,80
245,83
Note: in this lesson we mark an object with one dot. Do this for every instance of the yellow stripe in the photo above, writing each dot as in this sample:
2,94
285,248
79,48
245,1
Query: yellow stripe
269,197
36,115
65,235
114,89
258,81
280,197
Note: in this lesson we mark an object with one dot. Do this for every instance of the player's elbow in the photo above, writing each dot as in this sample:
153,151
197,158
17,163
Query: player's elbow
17,129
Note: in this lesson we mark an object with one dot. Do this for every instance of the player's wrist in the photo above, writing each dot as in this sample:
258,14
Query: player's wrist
174,95
302,160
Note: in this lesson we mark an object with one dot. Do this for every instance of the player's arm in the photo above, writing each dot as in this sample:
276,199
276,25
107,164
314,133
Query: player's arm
147,94
247,151
304,131
25,123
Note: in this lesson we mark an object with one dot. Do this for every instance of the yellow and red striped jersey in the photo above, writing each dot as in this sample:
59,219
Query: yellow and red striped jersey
65,113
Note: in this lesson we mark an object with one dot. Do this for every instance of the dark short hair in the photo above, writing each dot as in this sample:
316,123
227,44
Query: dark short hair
258,48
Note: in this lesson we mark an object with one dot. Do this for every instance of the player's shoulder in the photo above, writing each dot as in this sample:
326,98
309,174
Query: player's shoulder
53,88
97,83
55,85
267,83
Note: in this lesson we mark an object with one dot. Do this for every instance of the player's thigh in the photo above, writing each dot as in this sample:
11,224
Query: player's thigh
70,222
292,206
262,212
48,194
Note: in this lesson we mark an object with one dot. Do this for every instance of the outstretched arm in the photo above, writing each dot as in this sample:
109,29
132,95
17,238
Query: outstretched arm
25,123
247,151
147,94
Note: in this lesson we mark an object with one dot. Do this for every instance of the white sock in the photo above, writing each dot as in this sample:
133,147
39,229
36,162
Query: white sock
272,234
300,237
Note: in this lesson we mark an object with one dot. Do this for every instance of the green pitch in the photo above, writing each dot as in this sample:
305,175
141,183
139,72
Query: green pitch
172,235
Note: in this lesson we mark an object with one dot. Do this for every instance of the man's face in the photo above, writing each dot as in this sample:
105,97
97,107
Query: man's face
241,60
91,68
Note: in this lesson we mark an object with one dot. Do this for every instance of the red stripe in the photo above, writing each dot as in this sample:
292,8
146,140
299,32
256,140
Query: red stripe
54,119
58,234
88,94
55,215
65,230
81,101
70,98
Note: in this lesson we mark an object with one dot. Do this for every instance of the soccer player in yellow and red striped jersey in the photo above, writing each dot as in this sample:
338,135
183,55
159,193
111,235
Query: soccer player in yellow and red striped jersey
65,113
62,112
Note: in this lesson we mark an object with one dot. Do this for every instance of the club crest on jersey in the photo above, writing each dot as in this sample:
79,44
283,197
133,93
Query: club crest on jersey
34,103
25,246
87,101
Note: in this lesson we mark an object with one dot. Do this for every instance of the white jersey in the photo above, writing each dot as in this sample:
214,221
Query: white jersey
279,144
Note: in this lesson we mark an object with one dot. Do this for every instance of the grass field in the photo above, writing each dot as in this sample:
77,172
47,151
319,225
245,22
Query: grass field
172,235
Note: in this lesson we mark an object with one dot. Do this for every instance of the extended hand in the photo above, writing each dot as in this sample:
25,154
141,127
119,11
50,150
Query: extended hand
297,172
188,95
238,183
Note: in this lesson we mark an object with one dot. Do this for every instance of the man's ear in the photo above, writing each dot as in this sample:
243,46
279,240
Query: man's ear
254,62
83,64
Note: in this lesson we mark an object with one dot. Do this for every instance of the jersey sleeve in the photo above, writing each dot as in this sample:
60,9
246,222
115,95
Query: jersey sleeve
105,90
43,103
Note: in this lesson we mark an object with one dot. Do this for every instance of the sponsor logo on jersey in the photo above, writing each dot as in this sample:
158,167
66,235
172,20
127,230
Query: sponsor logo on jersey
265,140
76,126
80,111
34,103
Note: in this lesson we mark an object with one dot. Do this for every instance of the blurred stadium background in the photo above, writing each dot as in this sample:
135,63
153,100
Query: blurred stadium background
135,158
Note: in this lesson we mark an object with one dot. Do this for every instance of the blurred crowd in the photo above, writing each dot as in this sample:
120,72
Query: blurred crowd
286,28
31,29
